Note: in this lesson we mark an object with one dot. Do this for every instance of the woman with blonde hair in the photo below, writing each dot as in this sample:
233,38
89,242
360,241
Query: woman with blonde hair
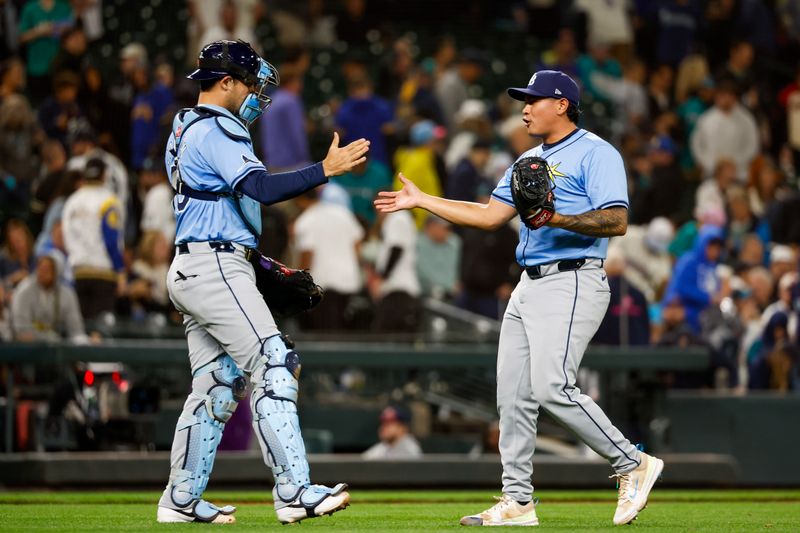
693,74
693,94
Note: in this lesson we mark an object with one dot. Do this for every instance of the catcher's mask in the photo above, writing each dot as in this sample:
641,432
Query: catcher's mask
239,60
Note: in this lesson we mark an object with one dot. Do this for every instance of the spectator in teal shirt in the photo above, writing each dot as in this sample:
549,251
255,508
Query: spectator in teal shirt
363,184
598,59
41,24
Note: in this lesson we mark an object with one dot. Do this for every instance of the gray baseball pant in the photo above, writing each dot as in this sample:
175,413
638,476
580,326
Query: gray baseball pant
545,331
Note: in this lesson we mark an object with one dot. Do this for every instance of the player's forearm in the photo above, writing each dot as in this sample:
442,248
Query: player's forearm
461,213
600,223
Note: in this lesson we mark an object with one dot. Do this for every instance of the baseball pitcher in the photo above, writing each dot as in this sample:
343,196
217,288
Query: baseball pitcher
214,282
571,194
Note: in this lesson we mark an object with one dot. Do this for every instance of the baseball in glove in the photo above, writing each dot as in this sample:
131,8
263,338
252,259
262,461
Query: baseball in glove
532,190
287,291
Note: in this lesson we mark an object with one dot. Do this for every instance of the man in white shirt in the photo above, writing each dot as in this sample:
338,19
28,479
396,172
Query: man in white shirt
328,237
205,14
608,22
726,131
228,24
396,282
648,263
157,212
93,240
396,440
84,147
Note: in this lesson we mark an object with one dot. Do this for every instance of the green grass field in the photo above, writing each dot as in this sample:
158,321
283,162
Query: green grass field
668,511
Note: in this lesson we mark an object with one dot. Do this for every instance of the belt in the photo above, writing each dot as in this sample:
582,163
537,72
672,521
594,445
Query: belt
213,246
567,265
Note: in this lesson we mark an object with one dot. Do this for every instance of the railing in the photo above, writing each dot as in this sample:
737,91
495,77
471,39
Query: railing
331,355
353,353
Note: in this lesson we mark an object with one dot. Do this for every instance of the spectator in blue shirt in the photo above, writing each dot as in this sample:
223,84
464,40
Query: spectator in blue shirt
61,113
284,139
151,107
364,115
677,25
695,279
469,174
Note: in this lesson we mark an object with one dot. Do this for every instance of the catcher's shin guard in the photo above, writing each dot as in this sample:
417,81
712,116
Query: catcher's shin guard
274,405
216,389
275,421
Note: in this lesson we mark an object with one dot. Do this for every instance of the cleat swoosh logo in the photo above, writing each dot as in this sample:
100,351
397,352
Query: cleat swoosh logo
632,494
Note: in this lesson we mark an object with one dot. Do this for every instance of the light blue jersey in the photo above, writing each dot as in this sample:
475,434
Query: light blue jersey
211,160
589,174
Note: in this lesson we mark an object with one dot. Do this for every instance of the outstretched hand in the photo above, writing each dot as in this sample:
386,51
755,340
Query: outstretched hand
408,197
342,159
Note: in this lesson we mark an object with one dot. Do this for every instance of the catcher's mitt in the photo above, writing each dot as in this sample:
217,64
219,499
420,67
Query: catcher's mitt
287,291
532,190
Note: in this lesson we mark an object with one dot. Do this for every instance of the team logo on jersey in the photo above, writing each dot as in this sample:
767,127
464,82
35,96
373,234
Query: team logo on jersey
179,131
555,173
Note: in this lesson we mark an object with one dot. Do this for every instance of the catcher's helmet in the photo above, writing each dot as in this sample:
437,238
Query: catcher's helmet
239,60
231,58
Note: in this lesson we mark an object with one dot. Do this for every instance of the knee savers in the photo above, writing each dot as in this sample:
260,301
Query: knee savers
275,413
216,389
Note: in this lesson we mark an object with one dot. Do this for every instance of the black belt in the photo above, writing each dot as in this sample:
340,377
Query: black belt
535,272
217,246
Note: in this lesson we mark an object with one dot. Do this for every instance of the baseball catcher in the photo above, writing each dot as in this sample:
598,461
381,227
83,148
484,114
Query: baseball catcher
532,191
231,332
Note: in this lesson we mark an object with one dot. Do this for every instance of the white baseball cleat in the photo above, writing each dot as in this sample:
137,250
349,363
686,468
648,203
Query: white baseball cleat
311,501
634,488
506,512
199,511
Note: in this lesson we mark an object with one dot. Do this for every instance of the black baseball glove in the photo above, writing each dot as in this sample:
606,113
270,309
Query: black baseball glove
287,291
532,190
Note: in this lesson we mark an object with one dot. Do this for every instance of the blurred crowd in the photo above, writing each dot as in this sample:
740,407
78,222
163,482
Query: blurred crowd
702,98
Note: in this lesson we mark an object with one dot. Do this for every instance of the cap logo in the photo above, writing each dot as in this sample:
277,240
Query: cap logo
533,79
557,91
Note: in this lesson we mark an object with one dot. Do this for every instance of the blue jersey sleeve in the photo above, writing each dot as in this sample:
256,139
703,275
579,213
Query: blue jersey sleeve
503,190
229,159
604,174
273,188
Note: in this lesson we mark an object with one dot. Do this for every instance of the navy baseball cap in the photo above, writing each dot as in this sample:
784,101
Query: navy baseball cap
395,413
548,84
